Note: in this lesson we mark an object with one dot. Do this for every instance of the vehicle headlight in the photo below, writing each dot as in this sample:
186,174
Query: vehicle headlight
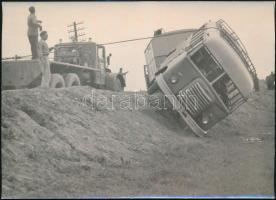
205,118
174,79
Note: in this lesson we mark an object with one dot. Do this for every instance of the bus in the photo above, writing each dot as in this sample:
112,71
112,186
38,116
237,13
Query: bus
205,73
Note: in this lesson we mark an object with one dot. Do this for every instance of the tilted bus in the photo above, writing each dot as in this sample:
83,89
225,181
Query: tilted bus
205,73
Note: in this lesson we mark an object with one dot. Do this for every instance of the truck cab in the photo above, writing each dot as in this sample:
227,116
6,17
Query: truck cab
91,60
206,76
87,54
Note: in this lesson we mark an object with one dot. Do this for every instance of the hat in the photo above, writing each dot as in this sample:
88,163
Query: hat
42,33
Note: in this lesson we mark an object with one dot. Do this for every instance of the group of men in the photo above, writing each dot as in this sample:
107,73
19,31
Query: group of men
39,48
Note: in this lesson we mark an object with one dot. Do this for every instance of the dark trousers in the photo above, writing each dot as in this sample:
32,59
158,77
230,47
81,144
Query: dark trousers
34,45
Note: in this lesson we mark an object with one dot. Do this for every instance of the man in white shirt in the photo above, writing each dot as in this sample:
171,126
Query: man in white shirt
43,54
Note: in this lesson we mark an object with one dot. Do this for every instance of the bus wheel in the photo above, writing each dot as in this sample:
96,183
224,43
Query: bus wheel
72,79
56,81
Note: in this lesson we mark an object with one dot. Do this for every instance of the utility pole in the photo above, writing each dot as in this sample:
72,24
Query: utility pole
75,30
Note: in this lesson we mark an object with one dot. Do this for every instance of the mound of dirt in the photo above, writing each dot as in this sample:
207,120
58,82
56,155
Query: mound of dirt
63,143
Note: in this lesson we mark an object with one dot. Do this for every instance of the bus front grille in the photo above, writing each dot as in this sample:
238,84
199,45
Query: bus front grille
194,98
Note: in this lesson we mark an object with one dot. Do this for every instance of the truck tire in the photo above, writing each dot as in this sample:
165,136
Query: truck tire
72,79
118,85
57,81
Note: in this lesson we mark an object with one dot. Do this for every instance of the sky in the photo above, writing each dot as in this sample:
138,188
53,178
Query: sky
114,21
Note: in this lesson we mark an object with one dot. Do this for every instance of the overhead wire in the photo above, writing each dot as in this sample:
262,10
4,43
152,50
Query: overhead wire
143,38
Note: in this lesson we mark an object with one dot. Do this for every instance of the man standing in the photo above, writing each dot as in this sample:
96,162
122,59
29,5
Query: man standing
123,73
33,25
270,81
43,54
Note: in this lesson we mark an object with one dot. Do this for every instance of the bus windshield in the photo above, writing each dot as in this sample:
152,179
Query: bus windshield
206,64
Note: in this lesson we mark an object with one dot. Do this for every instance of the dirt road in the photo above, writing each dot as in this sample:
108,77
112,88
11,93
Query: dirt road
54,146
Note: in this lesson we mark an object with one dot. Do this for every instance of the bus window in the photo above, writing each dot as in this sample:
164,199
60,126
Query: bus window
206,64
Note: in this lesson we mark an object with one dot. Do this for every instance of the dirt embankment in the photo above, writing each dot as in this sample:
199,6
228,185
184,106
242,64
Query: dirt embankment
55,144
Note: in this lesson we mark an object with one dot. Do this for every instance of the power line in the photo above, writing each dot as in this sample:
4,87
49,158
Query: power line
75,31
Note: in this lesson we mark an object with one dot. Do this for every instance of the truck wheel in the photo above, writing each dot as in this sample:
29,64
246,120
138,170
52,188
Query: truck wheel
56,81
72,79
118,85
